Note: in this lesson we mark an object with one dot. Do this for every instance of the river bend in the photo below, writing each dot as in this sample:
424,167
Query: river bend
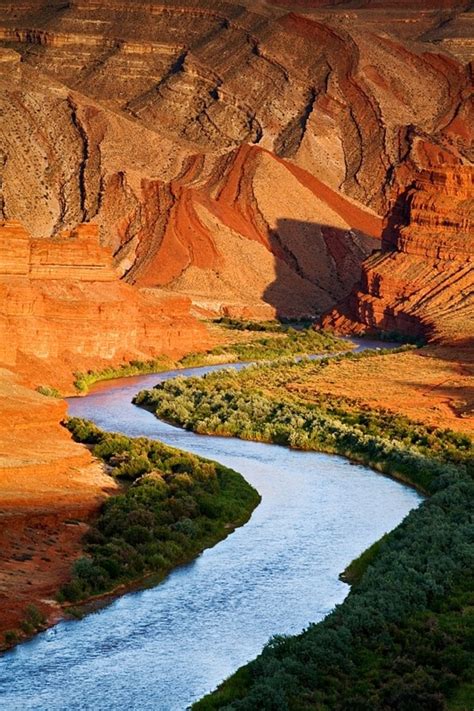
162,648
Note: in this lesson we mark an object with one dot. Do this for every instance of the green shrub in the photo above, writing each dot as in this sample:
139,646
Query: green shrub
157,521
403,637
11,637
48,391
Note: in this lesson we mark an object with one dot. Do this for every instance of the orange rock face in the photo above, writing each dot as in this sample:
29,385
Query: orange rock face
422,281
48,485
62,308
57,295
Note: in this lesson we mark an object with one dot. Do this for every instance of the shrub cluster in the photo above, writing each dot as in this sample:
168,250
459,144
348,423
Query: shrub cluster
291,342
236,404
173,505
402,639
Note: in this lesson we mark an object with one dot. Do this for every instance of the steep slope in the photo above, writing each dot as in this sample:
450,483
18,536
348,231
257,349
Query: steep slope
48,487
422,281
138,117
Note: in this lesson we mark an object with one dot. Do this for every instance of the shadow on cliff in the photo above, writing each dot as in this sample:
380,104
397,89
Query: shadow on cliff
316,266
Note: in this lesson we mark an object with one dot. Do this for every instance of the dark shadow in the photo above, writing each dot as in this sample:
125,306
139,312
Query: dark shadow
317,266
398,217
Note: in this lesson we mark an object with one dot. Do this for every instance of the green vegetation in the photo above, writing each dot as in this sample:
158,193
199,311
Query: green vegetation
292,342
33,621
403,638
265,326
237,324
83,381
48,391
285,341
254,405
356,569
173,505
11,637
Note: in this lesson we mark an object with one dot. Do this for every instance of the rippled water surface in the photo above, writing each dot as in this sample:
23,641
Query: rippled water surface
165,647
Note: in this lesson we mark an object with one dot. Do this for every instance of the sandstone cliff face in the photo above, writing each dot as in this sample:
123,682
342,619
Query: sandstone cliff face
422,281
63,308
139,118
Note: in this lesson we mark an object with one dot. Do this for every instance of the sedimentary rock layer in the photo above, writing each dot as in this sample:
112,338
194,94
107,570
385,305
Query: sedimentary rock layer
139,117
63,308
422,281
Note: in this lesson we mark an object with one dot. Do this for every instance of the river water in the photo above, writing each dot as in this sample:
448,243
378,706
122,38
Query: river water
162,648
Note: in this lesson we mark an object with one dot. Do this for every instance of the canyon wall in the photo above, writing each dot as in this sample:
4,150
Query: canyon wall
178,128
422,280
63,308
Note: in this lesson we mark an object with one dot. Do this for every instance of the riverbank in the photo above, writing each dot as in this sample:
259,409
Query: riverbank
408,586
169,506
259,404
49,489
179,639
238,342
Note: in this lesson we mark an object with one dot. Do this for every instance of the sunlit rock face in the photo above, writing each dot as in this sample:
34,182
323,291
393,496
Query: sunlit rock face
235,153
63,308
422,281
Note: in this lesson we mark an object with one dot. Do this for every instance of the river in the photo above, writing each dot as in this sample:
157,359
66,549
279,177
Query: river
162,648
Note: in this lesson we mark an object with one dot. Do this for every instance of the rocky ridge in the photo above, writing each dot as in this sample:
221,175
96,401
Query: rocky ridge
57,294
422,280
137,116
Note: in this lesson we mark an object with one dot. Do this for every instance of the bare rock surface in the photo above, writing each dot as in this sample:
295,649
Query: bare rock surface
422,280
150,120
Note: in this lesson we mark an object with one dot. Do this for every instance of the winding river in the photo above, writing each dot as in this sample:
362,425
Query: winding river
162,648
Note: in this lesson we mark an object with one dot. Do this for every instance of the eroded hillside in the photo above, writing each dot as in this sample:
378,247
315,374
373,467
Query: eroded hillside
177,126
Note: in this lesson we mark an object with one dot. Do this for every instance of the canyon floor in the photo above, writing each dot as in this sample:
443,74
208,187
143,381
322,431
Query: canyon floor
50,486
187,159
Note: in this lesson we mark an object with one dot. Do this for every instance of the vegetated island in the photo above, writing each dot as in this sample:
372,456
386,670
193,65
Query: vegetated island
403,637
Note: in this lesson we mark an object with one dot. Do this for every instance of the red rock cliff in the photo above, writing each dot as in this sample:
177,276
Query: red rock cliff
63,308
422,281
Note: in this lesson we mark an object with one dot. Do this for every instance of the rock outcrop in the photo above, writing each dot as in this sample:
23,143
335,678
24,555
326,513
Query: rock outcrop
422,281
63,308
48,487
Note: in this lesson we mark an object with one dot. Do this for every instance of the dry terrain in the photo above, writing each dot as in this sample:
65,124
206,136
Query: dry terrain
434,385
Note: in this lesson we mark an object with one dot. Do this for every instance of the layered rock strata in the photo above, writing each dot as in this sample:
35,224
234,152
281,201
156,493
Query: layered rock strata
63,308
422,281
138,117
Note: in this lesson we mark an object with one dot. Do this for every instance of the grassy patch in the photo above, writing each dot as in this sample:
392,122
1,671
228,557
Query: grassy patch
356,569
48,391
83,381
281,341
